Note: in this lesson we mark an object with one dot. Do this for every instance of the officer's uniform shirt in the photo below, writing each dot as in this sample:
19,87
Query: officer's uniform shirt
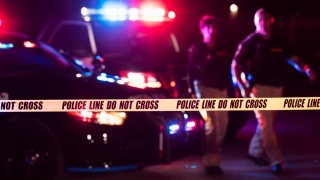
210,67
262,60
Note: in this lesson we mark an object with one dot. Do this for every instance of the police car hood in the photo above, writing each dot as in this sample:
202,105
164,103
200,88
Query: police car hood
135,63
91,88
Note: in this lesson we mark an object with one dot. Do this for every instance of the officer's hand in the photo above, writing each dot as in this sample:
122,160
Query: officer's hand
312,74
245,92
192,95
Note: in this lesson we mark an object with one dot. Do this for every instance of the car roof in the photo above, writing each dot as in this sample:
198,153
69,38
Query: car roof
7,36
20,38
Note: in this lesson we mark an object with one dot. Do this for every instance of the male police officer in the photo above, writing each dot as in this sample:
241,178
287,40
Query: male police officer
209,77
262,64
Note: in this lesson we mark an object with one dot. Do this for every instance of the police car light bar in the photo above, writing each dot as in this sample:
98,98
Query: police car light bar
121,13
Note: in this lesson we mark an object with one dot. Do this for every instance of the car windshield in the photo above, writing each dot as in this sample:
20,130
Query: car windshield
143,44
66,61
28,53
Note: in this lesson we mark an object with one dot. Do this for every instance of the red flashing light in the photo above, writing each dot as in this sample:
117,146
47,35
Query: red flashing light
190,125
106,118
273,20
140,80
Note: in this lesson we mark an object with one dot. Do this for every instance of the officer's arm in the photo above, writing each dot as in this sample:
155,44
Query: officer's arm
237,71
191,72
239,79
303,67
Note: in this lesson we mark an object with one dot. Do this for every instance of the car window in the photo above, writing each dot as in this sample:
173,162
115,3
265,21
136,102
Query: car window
141,44
23,60
73,39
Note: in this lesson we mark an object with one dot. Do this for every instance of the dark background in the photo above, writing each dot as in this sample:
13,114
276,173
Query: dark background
297,21
188,11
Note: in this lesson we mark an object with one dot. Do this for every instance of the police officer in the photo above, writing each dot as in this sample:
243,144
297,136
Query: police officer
257,67
209,77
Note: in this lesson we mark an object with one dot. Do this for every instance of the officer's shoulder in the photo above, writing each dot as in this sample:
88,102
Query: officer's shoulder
249,40
250,37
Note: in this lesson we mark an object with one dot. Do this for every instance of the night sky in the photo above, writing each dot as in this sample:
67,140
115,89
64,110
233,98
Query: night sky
30,16
43,8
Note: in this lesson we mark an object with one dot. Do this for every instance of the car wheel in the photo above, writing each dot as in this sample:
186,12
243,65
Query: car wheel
31,151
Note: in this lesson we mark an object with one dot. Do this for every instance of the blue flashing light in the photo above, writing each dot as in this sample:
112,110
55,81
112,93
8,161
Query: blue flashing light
77,61
173,128
194,167
98,57
6,45
295,65
106,78
114,12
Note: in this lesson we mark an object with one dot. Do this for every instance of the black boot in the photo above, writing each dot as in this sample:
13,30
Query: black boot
213,171
259,161
277,169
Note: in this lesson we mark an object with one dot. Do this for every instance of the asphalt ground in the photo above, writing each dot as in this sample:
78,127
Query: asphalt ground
299,137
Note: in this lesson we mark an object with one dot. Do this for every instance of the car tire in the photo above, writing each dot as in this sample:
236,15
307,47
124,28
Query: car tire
31,151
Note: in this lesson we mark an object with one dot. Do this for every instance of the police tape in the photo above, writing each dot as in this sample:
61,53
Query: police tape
216,104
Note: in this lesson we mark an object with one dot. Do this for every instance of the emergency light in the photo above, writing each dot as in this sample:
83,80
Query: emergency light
116,12
140,79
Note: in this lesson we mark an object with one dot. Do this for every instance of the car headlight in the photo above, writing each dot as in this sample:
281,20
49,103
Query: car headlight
103,117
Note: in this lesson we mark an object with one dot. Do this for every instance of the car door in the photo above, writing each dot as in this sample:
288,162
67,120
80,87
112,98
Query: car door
29,74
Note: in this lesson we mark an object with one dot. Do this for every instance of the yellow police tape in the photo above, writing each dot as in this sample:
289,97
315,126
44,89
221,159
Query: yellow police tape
223,104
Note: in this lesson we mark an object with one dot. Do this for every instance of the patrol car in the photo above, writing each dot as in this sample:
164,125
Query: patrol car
43,145
132,42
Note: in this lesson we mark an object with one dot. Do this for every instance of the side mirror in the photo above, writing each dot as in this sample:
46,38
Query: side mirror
99,64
